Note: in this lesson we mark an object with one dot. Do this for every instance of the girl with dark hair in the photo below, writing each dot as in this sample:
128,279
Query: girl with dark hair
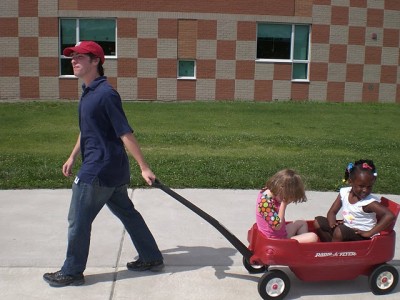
360,209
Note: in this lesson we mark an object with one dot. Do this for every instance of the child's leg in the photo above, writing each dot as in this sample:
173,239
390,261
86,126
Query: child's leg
323,229
296,228
344,233
308,237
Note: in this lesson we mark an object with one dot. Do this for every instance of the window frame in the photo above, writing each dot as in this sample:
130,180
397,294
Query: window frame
194,69
291,59
77,39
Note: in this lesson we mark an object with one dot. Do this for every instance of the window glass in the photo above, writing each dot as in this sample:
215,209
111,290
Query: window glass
273,41
68,33
186,68
301,42
300,71
100,31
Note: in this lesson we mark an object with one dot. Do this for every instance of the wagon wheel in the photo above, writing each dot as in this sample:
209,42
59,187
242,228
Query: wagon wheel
274,284
383,279
253,269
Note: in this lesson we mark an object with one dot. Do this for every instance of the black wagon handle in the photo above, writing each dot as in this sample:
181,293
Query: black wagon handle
225,232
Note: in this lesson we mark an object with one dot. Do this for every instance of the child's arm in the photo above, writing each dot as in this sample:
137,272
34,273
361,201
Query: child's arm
384,215
281,215
332,212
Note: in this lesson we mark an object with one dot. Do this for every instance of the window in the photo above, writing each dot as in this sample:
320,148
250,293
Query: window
186,69
102,31
285,43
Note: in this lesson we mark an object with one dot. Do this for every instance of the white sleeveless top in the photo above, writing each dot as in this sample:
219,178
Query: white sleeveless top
354,215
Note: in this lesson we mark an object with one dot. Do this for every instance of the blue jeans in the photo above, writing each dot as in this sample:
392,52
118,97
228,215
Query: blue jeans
87,201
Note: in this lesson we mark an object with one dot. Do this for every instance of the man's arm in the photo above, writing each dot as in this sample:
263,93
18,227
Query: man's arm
67,167
132,145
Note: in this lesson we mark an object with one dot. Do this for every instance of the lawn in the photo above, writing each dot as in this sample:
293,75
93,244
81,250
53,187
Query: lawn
235,145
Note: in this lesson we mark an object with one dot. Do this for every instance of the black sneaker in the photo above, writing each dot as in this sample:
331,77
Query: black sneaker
138,265
58,279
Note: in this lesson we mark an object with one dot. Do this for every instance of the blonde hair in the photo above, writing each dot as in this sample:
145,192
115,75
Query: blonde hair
288,185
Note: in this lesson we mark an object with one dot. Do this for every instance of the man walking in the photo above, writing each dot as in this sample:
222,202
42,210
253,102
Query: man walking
104,175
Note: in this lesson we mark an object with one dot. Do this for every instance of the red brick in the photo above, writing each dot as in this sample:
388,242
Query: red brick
186,90
282,71
389,74
29,87
390,37
245,69
28,47
187,39
374,17
355,73
263,90
246,31
392,5
207,29
303,8
205,68
147,48
318,71
226,49
48,66
127,67
356,35
48,27
9,66
113,81
127,28
167,29
166,68
373,55
338,53
320,34
340,15
300,91
335,91
249,7
370,92
358,3
147,88
8,27
68,4
225,89
28,8
68,88
322,2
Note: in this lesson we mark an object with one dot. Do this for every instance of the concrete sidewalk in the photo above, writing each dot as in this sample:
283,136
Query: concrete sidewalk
200,262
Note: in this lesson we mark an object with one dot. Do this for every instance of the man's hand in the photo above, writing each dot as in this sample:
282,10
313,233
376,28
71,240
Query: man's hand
67,167
148,176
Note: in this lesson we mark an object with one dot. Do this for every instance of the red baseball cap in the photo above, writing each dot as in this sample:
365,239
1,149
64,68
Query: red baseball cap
85,47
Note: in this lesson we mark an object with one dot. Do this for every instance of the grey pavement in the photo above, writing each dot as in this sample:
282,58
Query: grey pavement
200,262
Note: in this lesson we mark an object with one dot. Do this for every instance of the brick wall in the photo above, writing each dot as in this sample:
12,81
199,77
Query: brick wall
354,52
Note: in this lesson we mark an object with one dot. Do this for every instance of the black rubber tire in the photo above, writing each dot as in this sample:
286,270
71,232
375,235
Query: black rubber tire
274,284
253,269
383,279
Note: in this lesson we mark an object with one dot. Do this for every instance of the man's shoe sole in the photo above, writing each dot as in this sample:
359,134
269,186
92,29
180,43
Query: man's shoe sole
72,283
158,268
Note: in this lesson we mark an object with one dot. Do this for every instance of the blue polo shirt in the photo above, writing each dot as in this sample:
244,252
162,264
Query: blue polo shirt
102,122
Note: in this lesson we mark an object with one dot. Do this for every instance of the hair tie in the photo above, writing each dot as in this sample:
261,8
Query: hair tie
366,166
349,167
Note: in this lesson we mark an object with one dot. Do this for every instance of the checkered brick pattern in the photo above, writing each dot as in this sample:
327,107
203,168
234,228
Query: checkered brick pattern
354,50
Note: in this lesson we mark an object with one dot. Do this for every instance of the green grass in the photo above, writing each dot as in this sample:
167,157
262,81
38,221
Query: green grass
212,145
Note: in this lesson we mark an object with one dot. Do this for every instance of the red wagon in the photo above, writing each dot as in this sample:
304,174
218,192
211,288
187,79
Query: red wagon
311,261
323,261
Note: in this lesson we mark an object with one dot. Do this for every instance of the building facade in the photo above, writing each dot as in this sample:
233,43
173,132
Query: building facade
254,50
